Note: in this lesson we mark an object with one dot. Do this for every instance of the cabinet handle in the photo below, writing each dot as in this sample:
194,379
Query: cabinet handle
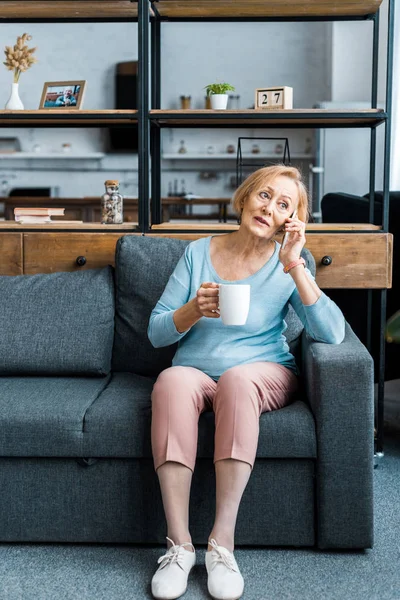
80,261
326,260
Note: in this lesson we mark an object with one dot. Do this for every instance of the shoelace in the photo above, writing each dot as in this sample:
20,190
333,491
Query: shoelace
219,556
173,554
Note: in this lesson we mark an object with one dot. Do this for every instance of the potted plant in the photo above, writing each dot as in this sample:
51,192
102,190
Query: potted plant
218,94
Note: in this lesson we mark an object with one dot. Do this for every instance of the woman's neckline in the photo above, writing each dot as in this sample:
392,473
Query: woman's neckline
265,266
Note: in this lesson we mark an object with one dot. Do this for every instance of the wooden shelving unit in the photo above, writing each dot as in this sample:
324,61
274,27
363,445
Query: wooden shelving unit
363,250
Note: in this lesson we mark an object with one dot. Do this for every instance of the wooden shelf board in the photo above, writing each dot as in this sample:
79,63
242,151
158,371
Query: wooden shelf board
67,9
190,9
229,226
250,117
231,156
52,116
56,225
51,155
266,8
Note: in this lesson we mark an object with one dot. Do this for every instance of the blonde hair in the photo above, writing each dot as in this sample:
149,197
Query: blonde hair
260,178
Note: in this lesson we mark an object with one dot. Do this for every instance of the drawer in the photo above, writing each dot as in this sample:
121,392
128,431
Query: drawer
11,254
343,260
353,260
51,252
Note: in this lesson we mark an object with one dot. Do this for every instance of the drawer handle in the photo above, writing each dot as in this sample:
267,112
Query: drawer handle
326,260
80,261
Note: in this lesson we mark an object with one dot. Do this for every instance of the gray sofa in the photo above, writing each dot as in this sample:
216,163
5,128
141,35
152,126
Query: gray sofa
76,374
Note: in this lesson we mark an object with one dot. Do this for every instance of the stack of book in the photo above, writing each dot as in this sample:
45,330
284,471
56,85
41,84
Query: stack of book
36,215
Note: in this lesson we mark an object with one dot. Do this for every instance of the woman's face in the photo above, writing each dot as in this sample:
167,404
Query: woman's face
266,210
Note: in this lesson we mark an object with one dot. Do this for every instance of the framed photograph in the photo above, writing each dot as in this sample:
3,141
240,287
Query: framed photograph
63,94
276,97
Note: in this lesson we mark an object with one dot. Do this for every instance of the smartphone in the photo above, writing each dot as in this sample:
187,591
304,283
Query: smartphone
294,215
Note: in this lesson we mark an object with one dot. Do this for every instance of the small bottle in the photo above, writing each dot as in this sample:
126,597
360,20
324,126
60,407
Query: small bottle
112,203
183,191
182,148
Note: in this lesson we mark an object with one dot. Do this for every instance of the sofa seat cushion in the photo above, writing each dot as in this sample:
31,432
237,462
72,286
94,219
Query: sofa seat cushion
57,323
45,416
118,424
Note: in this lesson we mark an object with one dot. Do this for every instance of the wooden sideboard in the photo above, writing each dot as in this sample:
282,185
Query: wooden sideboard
343,260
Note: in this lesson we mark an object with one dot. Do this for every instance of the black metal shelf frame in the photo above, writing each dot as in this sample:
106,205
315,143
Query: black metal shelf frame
153,128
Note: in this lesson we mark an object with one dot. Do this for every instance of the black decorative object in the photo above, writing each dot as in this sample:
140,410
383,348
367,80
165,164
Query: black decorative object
242,162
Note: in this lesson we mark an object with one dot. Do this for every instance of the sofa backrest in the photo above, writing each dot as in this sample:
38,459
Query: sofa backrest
57,323
143,265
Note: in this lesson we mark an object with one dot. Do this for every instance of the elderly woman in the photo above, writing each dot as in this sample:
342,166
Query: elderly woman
238,372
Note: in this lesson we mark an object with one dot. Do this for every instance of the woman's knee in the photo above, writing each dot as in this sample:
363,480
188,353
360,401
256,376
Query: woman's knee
237,377
169,378
177,385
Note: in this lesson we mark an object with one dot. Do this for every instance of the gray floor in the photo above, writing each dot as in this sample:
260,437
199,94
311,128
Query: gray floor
110,572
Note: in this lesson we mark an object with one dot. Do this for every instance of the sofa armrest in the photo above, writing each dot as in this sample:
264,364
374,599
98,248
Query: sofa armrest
339,383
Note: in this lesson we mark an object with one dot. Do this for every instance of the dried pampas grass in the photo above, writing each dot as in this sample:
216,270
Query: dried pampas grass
20,58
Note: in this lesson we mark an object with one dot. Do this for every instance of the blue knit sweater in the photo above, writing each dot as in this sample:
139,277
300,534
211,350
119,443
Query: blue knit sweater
213,347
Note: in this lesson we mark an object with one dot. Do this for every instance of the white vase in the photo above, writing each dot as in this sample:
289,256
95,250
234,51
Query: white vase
219,101
14,101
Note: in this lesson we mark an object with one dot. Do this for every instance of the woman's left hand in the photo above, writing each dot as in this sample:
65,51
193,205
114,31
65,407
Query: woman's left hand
295,241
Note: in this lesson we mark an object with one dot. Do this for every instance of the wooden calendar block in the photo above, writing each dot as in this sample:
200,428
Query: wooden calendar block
276,97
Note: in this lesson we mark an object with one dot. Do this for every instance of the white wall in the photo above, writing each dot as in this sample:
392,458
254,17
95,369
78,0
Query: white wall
352,59
351,82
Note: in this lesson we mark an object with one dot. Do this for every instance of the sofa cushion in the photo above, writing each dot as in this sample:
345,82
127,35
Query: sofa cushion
45,416
143,266
57,323
118,424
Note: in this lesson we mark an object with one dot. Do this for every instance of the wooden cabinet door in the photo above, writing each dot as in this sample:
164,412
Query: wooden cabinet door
52,251
11,254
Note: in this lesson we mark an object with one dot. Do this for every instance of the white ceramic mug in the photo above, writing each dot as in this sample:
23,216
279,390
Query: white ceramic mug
234,303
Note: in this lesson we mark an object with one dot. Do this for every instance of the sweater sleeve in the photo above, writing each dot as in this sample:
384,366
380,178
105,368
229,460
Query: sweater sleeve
323,320
161,330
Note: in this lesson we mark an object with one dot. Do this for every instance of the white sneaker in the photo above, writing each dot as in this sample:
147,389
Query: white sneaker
225,581
170,579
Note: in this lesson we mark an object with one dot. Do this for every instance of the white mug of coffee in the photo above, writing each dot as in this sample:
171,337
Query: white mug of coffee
234,303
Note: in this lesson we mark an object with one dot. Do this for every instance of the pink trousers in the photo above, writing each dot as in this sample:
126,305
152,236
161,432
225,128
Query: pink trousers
238,398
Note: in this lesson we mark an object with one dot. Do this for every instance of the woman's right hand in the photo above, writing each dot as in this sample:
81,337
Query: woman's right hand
207,300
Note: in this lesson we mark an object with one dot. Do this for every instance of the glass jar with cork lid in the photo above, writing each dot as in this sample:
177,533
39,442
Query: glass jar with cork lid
112,203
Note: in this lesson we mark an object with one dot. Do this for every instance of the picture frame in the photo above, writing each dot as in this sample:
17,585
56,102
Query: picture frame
62,95
273,98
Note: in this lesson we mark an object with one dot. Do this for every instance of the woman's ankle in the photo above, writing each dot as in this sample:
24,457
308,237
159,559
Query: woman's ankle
179,539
